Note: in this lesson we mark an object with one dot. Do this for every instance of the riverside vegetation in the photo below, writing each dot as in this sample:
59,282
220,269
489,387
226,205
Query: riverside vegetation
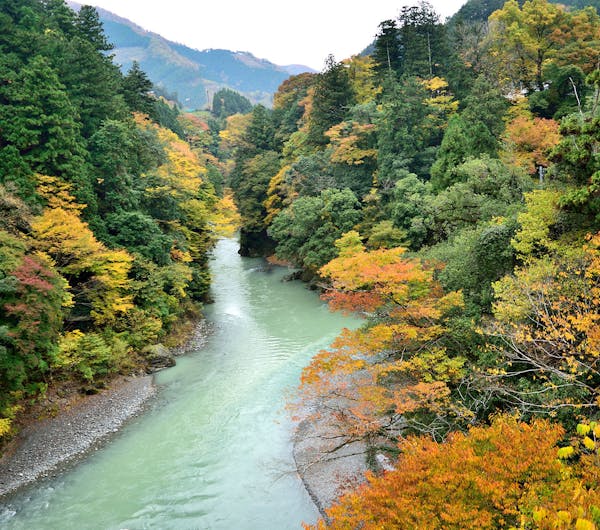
444,185
110,201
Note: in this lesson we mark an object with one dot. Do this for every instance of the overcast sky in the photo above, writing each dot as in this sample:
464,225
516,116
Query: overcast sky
284,32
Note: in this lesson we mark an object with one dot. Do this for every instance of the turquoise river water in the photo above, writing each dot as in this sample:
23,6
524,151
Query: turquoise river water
214,449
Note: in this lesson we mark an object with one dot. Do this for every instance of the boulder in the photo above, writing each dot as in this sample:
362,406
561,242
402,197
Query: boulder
158,357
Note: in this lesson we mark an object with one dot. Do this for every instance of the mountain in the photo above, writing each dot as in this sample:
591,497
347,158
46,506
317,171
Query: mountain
193,75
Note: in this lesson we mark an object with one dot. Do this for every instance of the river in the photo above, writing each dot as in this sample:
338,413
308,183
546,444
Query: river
214,449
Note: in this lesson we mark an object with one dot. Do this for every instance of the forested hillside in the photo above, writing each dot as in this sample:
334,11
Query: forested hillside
446,188
107,208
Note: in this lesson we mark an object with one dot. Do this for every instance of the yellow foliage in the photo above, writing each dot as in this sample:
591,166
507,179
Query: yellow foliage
351,143
541,213
5,426
57,193
226,219
565,452
71,245
361,73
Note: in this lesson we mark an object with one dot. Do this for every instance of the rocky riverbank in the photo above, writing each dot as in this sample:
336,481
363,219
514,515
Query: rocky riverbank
43,446
327,472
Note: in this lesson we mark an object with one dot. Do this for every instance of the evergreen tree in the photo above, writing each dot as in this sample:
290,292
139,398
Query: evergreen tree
386,53
41,126
136,90
332,99
402,141
227,102
91,30
475,133
423,42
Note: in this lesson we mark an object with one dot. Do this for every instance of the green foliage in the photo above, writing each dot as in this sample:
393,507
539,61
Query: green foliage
139,234
409,132
32,295
386,49
306,231
473,134
423,43
227,102
408,208
104,216
332,98
473,259
136,90
88,355
486,189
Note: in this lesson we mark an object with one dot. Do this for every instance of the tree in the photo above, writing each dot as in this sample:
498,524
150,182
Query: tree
547,317
484,189
525,39
90,28
227,102
423,43
32,298
386,52
97,276
504,475
471,134
401,142
408,209
332,98
41,131
136,90
395,373
251,194
528,140
306,230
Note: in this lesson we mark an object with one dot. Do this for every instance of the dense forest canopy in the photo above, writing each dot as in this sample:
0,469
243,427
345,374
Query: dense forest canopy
109,200
445,187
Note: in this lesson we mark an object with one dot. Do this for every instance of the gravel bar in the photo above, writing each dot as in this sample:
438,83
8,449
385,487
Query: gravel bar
45,445
325,472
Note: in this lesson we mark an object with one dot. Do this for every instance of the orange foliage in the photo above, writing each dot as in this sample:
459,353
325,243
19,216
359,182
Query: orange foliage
373,376
501,476
528,141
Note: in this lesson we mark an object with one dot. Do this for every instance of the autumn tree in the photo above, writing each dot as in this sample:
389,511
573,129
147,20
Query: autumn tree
504,475
548,318
32,298
524,39
376,380
528,140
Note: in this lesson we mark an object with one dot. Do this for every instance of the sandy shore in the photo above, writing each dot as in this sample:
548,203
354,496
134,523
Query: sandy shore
43,446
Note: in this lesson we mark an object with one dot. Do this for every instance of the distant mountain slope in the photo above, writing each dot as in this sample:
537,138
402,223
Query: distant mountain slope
193,75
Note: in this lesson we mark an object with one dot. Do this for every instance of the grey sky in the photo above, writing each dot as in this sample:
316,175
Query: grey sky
303,32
